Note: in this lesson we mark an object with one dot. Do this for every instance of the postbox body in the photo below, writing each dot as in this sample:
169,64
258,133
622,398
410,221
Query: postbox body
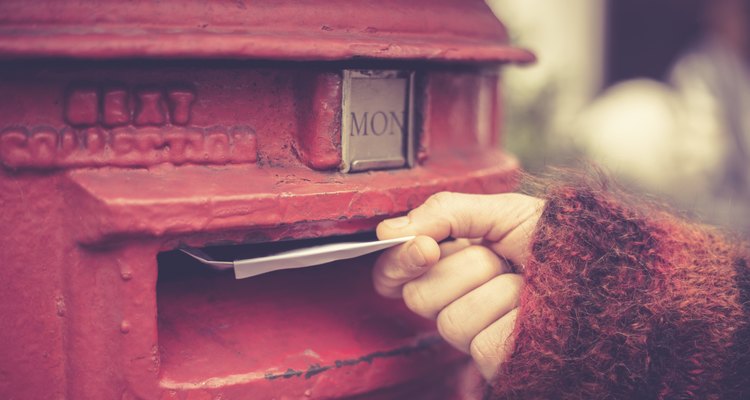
131,131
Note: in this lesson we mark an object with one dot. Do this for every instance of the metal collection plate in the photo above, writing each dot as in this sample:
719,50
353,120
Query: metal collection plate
377,129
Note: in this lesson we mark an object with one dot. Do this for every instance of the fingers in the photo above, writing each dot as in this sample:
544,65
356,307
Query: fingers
507,220
449,247
469,291
403,263
493,345
467,287
465,318
451,278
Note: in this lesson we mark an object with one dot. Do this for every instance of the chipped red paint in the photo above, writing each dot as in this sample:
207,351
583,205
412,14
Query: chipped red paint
322,113
223,128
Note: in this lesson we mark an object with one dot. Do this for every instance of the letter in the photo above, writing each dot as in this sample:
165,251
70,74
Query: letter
123,141
68,143
82,107
243,144
149,108
359,127
217,146
149,139
14,148
150,146
43,146
96,140
195,145
180,101
395,121
176,140
375,131
116,109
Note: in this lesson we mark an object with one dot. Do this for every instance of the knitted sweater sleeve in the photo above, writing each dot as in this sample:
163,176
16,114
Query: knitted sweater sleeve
624,301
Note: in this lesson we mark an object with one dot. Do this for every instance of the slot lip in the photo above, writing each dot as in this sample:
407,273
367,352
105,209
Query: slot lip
170,203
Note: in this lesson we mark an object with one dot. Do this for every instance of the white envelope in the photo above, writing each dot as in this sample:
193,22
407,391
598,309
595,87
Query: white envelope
297,258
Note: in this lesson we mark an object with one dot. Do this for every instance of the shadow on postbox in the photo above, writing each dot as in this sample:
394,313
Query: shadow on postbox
131,130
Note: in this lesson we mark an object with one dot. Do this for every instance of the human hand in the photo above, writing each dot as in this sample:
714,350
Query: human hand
466,284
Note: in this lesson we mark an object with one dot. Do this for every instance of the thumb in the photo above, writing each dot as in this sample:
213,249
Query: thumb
504,221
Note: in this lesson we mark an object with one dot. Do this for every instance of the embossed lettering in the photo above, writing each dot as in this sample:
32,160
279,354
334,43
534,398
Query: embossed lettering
149,108
180,102
43,146
149,139
82,107
95,140
194,148
123,141
152,107
68,142
14,147
176,142
116,108
217,146
125,146
243,144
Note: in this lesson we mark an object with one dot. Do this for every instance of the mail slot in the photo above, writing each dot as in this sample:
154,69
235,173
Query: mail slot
129,131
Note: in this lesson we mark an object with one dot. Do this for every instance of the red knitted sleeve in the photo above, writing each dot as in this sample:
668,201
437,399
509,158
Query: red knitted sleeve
624,301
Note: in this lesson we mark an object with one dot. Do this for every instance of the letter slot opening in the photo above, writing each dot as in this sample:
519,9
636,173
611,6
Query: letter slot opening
286,327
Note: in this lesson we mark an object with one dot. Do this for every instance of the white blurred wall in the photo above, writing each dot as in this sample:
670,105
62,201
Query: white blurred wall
568,38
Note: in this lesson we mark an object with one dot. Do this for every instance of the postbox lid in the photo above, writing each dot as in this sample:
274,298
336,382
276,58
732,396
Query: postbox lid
440,30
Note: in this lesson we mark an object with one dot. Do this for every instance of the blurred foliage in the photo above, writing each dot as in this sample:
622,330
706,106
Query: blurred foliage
529,133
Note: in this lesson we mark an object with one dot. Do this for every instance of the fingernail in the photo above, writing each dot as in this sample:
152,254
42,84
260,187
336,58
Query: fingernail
399,222
415,254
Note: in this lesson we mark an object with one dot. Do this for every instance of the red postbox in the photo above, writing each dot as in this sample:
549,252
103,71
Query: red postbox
131,129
